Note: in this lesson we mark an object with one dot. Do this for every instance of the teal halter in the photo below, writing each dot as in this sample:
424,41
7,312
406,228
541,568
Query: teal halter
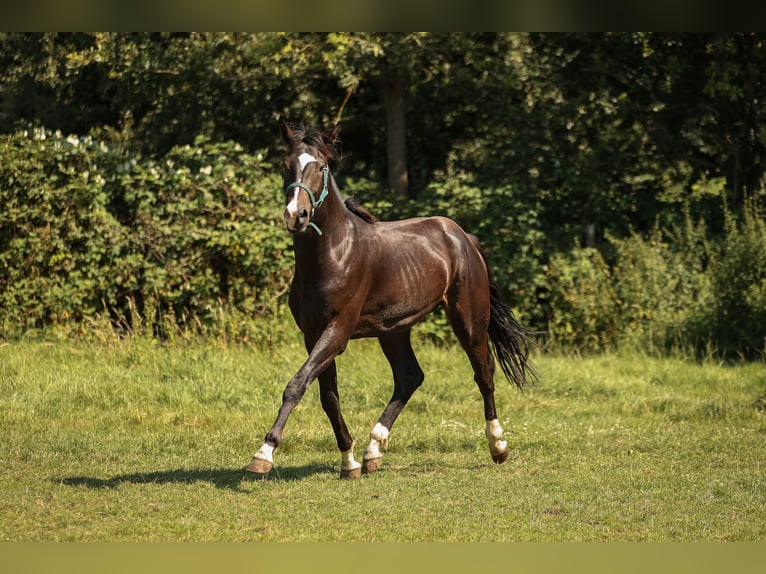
315,203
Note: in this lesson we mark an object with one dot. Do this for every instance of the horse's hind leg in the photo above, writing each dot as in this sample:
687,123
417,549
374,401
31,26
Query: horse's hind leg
470,324
328,394
408,376
484,368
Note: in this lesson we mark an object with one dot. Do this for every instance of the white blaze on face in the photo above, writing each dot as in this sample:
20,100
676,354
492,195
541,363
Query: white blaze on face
293,207
304,159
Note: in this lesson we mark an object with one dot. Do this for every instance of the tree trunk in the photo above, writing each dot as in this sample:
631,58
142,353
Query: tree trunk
396,124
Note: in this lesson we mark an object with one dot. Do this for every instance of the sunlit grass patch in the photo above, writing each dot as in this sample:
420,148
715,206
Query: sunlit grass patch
133,441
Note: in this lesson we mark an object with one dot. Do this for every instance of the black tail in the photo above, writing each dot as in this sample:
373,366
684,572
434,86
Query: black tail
510,339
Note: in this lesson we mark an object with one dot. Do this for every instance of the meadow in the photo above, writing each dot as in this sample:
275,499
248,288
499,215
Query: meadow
134,441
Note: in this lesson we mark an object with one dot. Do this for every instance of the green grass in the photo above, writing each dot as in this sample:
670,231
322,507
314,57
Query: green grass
134,442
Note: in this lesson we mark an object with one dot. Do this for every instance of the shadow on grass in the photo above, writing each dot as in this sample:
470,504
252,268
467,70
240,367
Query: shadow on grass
231,479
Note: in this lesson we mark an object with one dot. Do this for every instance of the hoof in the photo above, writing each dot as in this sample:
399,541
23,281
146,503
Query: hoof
259,466
501,457
351,473
371,464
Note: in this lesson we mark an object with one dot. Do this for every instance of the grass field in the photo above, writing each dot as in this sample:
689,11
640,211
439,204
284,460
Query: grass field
135,442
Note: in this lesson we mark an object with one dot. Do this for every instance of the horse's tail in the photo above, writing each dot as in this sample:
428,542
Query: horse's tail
510,339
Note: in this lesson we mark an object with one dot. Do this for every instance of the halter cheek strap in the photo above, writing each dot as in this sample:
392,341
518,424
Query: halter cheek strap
315,203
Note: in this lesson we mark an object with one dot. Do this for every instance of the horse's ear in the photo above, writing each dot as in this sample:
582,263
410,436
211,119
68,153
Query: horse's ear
287,132
333,135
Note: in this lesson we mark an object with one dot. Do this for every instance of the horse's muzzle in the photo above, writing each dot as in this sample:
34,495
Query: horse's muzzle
297,221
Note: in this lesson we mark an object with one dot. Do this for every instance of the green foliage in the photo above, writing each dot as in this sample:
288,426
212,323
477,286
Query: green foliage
88,228
662,287
161,210
654,294
583,302
58,241
674,290
738,274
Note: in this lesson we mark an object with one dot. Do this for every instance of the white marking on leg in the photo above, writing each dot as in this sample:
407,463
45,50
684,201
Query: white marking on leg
305,159
494,434
347,460
378,441
266,452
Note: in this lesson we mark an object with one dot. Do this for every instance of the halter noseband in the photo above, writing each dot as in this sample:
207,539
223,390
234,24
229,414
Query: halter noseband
315,203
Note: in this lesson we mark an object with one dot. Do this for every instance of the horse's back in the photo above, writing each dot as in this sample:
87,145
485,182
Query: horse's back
426,255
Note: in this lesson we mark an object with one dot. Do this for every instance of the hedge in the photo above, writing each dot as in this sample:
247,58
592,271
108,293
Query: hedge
193,242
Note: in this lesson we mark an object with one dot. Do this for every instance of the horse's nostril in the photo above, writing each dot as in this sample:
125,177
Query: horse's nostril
303,214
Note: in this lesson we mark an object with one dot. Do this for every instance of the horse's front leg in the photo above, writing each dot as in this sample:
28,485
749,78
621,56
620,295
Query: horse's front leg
329,345
328,393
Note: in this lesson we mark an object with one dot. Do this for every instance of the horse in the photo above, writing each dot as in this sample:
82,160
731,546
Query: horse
356,276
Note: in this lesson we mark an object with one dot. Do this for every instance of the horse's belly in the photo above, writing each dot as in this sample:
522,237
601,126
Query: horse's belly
390,317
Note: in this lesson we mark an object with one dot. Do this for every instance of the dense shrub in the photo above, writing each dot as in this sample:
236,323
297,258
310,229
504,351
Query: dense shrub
58,241
192,242
738,275
653,294
662,287
87,229
676,289
583,302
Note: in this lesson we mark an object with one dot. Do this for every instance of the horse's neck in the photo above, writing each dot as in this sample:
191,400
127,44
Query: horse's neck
328,254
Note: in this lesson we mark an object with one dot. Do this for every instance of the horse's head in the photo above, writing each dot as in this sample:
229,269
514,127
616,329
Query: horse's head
311,155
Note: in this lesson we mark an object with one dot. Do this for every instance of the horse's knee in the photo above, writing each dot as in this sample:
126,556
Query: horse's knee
414,382
329,401
292,395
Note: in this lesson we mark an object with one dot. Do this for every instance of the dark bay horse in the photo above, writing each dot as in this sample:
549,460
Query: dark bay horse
358,277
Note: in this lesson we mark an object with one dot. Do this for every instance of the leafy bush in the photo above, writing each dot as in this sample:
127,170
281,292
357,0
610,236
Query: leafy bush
674,289
583,302
738,275
192,242
661,286
58,241
88,229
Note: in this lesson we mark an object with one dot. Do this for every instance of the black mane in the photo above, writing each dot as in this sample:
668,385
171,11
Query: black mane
320,140
355,207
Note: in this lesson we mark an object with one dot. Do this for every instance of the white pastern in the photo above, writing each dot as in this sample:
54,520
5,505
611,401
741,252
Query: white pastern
306,158
378,441
266,452
494,434
347,460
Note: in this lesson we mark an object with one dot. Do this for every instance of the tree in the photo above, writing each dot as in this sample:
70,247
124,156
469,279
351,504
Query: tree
391,63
